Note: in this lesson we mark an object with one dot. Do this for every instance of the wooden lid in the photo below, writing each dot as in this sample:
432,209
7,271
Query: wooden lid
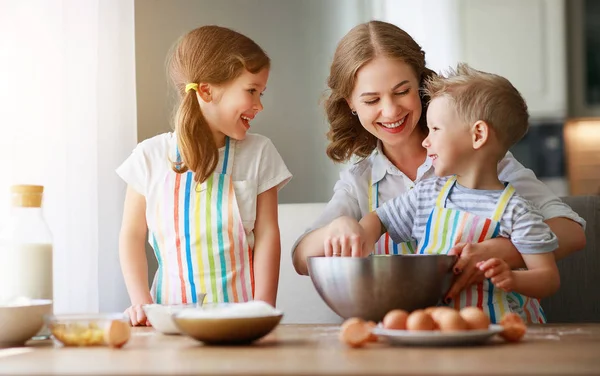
27,196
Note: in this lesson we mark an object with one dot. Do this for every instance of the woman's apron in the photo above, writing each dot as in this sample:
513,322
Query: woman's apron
448,227
198,238
385,245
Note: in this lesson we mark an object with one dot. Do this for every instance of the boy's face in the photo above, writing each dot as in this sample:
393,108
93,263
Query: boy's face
449,143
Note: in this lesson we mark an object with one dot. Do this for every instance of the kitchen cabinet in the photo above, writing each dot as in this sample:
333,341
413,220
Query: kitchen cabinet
524,41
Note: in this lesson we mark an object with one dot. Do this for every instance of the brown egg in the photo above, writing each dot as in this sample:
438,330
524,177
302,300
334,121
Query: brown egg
434,312
430,310
513,332
511,318
439,311
372,337
514,327
475,317
355,332
450,321
117,333
395,319
419,320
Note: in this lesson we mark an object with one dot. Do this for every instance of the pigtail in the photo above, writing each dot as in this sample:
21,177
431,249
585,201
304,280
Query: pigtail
197,147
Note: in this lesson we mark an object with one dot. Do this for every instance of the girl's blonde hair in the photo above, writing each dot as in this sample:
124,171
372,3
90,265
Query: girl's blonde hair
483,96
213,55
361,45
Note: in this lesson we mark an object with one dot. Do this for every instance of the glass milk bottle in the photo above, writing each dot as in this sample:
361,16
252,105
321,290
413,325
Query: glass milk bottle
26,248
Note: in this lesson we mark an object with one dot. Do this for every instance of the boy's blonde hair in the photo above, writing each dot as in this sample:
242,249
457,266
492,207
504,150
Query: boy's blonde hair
213,55
483,96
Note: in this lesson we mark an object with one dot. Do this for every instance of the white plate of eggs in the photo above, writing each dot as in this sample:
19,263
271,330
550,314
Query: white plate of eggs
437,326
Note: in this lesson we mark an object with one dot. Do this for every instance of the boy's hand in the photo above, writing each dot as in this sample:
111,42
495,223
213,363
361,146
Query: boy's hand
499,272
344,238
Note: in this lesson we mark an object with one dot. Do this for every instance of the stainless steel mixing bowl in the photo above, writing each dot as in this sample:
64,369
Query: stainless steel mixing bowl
371,287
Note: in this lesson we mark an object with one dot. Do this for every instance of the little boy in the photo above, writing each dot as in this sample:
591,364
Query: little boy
473,119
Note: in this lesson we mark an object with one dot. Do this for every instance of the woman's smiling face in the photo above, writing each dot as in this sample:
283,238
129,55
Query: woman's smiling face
386,99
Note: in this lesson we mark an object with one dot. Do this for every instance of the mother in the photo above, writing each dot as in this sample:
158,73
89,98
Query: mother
376,112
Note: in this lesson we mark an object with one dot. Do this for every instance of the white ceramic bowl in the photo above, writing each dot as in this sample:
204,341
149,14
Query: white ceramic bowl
21,321
161,316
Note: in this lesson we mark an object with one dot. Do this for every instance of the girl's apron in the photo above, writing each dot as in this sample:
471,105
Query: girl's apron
448,227
198,238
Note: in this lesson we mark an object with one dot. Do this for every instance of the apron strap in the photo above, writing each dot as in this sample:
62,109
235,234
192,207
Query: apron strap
373,190
440,202
228,157
174,150
227,160
505,197
176,155
373,195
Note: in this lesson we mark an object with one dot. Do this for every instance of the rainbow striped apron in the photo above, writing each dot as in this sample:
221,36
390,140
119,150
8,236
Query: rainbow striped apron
448,227
385,245
198,238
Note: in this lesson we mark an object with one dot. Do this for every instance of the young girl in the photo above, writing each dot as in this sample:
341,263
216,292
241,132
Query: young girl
376,111
206,194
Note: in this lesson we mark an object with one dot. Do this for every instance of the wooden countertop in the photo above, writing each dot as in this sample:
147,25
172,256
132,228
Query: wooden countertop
315,349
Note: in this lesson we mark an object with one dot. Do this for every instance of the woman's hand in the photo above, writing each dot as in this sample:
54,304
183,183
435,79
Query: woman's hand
137,316
344,237
470,254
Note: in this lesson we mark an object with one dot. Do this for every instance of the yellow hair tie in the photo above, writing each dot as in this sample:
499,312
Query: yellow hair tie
191,86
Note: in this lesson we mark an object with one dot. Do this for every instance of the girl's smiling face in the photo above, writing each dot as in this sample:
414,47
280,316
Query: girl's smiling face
231,107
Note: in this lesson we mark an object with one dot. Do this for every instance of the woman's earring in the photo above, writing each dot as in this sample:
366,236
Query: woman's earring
353,112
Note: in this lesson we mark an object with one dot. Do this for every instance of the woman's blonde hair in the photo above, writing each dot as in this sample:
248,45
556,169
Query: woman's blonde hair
483,96
213,55
361,45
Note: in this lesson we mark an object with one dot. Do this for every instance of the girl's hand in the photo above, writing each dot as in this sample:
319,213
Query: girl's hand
344,237
137,316
499,273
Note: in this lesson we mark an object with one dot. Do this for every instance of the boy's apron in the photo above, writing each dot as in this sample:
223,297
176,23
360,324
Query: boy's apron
448,227
199,240
385,245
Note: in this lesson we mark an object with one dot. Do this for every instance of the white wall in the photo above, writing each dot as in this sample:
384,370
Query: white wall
299,36
432,23
116,139
67,119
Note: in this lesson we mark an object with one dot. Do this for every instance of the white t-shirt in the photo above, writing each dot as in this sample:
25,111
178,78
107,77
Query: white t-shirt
257,167
351,192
